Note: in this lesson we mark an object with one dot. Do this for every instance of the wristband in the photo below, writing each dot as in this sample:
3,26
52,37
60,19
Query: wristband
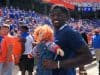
58,64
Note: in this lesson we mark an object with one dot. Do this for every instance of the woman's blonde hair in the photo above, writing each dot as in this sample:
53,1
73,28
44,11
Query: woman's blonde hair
43,33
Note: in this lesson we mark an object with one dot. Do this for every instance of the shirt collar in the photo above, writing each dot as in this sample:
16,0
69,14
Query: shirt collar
63,26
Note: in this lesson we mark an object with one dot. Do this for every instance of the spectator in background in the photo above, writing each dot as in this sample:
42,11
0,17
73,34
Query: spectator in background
82,70
75,48
26,64
6,57
96,45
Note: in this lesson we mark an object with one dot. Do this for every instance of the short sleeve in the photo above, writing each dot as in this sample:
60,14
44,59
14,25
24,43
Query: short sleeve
76,41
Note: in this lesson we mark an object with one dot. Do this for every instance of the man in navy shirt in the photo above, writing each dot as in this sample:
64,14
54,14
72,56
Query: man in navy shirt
75,48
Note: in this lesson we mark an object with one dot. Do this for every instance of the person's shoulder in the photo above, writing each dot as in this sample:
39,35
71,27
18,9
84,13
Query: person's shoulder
29,37
69,30
6,37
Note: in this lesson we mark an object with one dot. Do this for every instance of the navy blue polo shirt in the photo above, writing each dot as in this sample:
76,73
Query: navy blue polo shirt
70,41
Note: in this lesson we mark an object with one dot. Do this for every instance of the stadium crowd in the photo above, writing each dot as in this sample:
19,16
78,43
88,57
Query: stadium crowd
19,21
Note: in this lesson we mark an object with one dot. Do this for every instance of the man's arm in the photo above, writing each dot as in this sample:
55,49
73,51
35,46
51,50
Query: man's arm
83,57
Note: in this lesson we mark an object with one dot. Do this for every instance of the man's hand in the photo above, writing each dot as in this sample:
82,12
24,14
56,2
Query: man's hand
29,56
49,64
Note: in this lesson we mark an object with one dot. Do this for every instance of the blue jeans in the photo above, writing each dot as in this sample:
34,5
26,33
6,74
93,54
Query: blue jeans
7,68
